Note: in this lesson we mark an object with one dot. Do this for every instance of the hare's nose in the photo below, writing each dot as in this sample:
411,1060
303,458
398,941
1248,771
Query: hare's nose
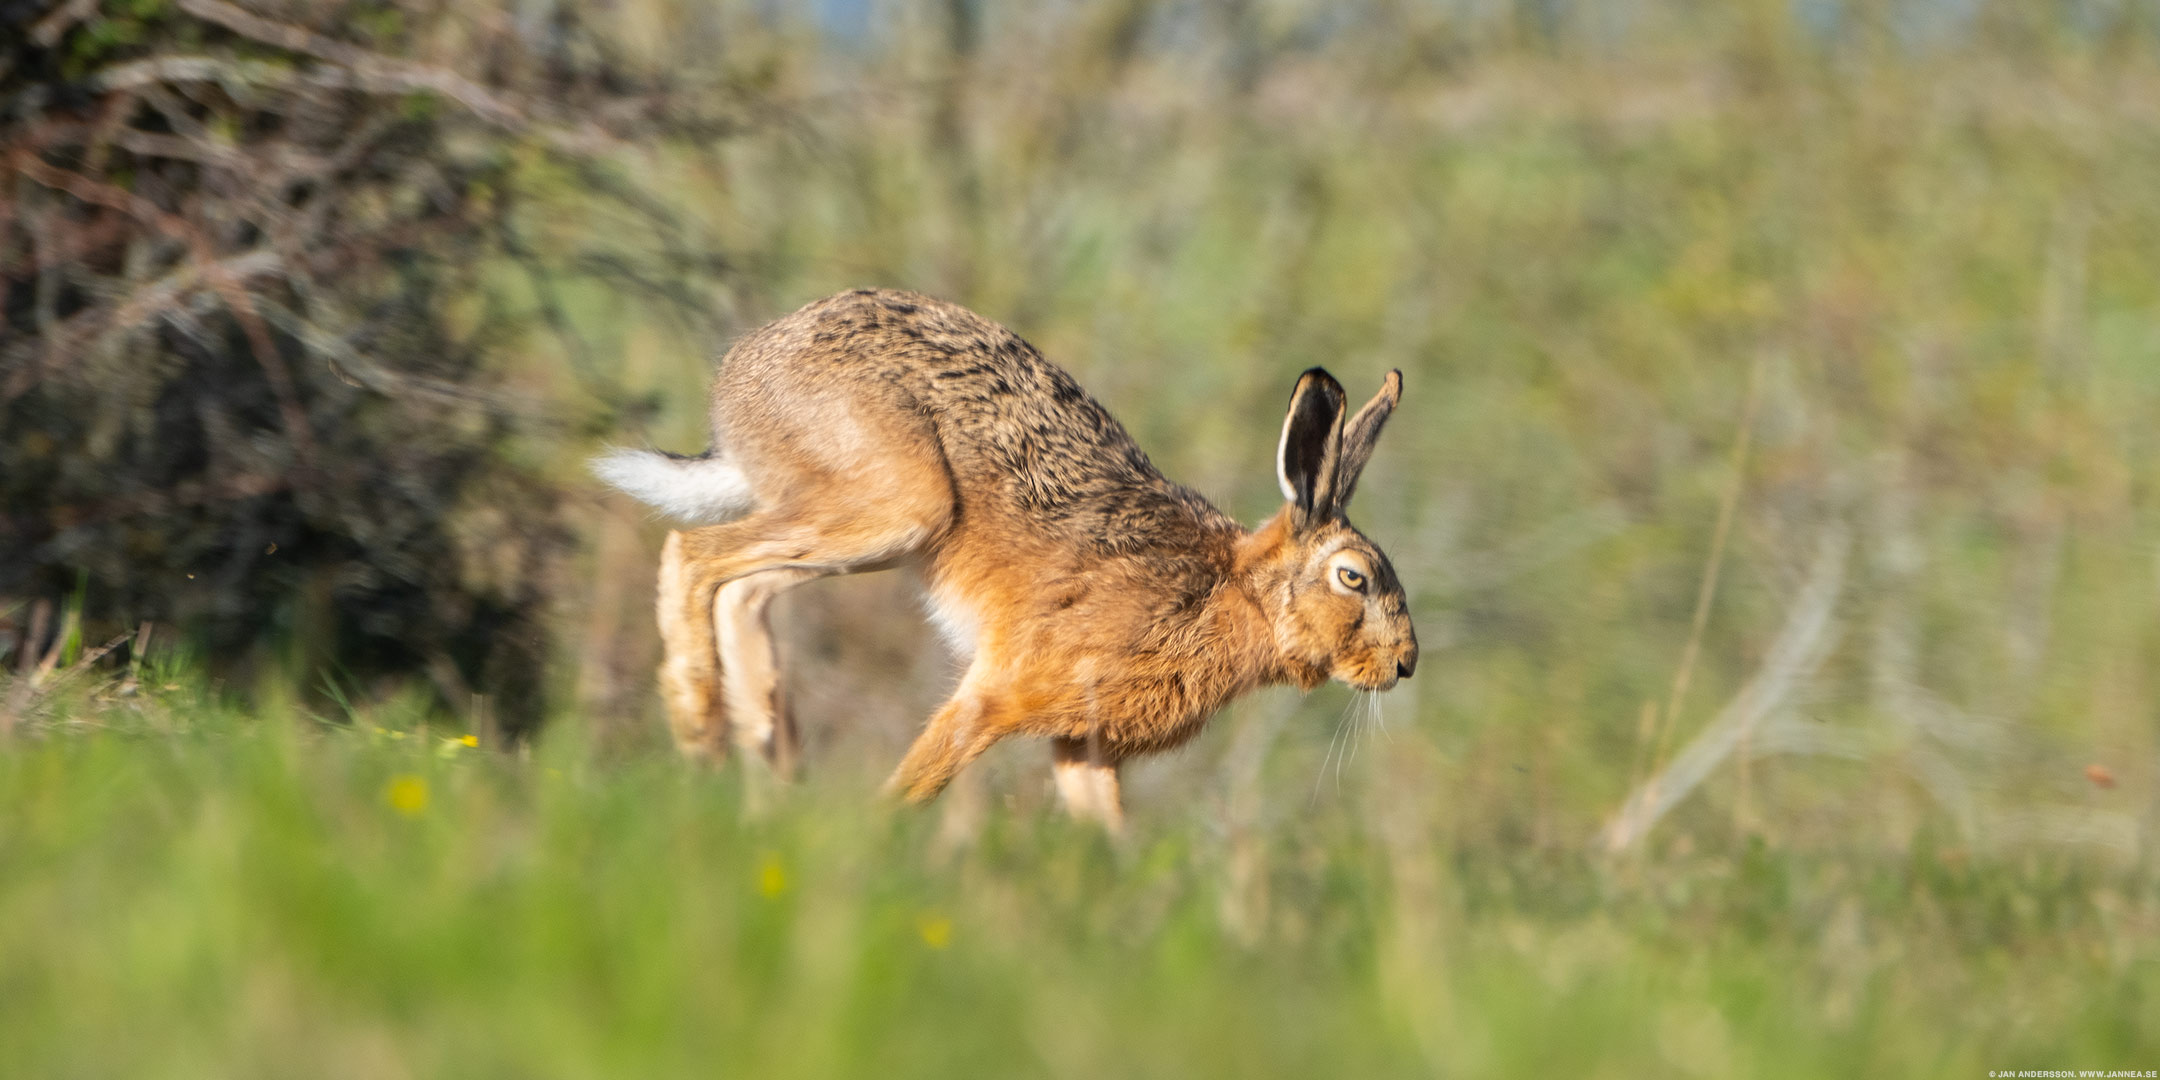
1406,666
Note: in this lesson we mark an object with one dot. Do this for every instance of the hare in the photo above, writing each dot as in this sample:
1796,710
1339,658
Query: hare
1096,604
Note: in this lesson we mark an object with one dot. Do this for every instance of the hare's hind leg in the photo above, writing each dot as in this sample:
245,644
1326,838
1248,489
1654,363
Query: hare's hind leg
1086,783
766,553
688,669
751,690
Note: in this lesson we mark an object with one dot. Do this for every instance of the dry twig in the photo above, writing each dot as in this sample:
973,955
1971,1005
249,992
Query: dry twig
1801,647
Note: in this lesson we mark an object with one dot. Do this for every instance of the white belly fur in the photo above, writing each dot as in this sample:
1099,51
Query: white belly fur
956,620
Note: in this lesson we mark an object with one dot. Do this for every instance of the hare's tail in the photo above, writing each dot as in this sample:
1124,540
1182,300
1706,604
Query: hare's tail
703,490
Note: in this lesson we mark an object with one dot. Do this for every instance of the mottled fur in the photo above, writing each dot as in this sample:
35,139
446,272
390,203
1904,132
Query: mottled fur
1107,608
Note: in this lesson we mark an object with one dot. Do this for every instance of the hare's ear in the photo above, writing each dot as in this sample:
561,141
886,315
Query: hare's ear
1305,461
1360,435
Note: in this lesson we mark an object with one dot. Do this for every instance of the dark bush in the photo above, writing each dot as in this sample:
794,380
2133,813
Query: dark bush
256,358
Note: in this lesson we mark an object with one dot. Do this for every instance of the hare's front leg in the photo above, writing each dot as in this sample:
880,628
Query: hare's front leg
1087,783
957,734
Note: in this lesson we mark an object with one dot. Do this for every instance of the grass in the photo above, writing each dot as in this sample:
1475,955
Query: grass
189,890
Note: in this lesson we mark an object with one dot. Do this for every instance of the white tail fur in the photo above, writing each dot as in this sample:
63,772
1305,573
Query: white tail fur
695,491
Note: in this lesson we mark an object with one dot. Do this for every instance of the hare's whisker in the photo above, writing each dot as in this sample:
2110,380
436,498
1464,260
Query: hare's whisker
1341,723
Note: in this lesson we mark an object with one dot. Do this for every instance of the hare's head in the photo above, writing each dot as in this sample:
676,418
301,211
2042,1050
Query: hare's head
1337,606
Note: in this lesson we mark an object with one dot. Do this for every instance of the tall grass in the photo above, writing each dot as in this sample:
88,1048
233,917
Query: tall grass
191,891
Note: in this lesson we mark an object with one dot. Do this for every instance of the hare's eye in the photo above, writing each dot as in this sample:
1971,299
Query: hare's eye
1350,579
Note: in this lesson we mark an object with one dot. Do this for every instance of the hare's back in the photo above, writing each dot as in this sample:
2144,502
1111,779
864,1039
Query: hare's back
1017,432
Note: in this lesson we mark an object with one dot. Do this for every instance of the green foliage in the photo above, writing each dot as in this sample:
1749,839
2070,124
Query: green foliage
260,896
242,390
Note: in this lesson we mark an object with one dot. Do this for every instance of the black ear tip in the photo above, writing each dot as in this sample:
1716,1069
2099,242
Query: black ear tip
1318,379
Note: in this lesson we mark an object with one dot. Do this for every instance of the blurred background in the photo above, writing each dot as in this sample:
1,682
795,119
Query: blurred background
1775,471
1781,372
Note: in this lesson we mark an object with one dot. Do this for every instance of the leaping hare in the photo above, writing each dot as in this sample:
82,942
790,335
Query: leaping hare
1097,604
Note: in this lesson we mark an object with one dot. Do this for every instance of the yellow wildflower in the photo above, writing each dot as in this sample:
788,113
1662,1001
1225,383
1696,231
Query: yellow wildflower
772,877
407,794
936,930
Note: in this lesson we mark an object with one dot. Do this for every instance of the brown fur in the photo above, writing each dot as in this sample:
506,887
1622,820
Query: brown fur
1111,610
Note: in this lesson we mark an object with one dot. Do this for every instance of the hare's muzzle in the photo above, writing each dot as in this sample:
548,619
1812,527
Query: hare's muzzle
1406,660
